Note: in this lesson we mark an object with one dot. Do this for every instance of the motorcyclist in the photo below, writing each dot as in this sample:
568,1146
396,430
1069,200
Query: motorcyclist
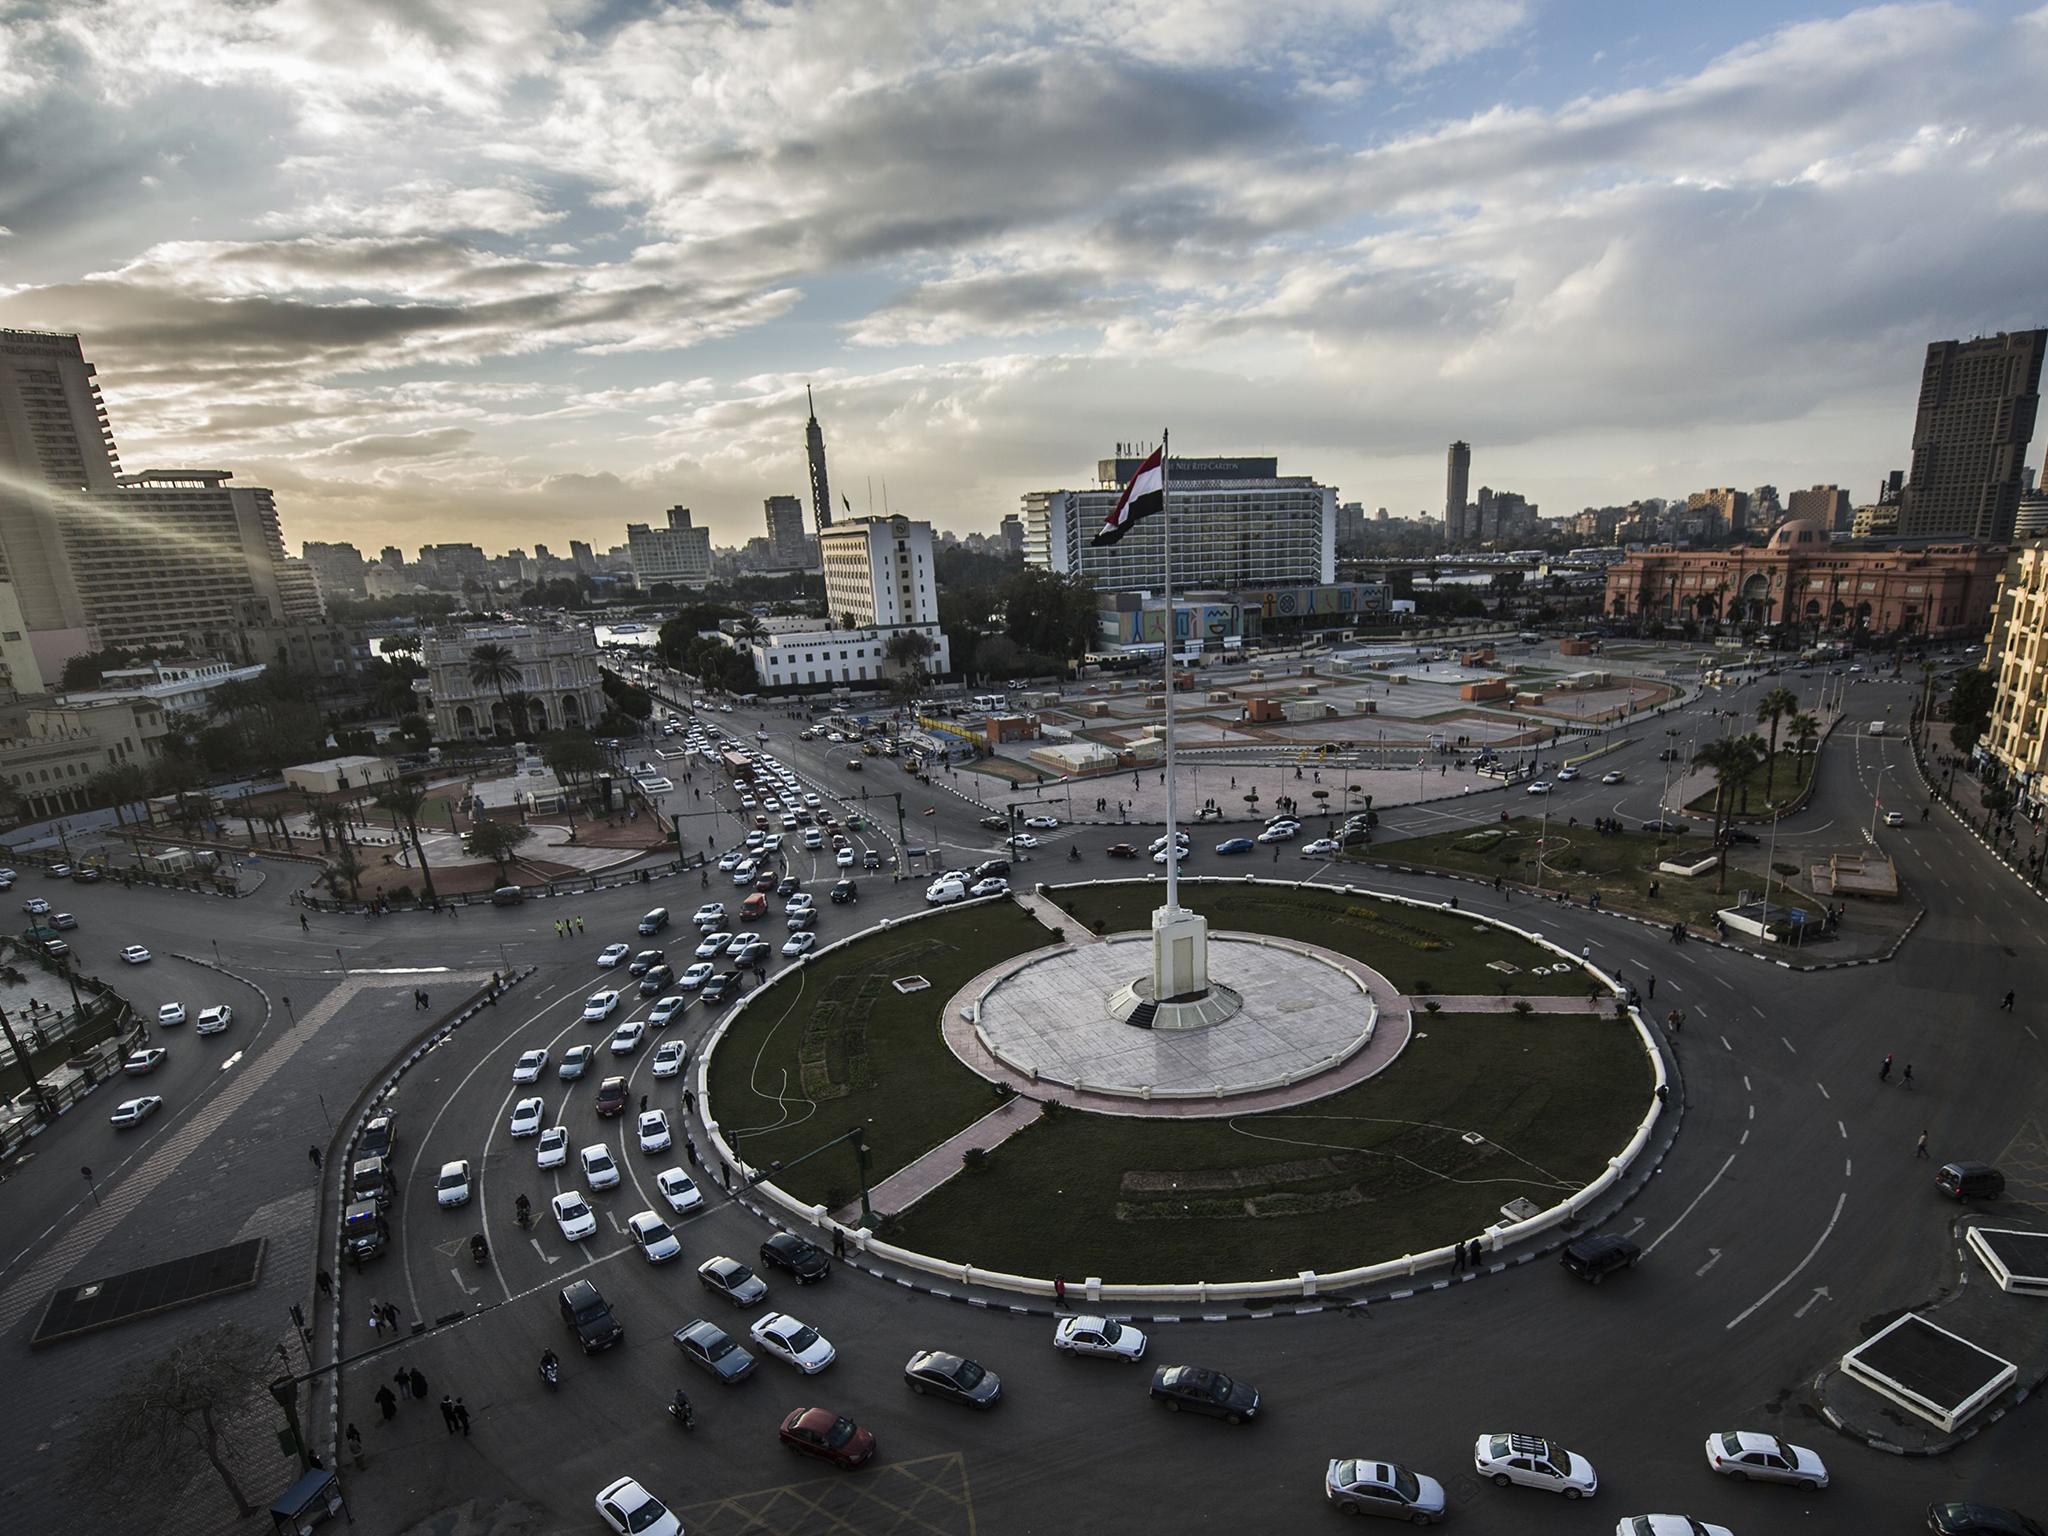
1074,855
548,1362
522,1211
478,1248
681,1407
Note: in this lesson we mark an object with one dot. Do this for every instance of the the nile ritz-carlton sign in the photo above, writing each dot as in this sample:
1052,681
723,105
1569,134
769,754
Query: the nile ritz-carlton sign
1894,586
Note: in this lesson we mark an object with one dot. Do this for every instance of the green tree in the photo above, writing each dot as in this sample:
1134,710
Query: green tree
495,667
1773,707
1969,708
403,798
497,841
1731,759
750,629
415,729
1050,613
143,1441
119,785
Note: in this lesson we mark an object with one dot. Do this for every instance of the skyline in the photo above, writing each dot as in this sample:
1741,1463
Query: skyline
1618,262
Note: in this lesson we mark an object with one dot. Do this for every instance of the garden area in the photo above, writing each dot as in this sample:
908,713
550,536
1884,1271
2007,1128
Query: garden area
833,1044
1417,949
1761,785
1374,1172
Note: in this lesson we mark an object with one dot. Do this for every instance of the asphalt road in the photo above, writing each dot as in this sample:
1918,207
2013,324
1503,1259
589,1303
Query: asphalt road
1789,1214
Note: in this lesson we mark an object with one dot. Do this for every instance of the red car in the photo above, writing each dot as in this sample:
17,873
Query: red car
611,1096
1122,851
765,881
821,1432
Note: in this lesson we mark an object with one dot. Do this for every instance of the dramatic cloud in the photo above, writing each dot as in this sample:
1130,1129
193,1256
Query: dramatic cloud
528,270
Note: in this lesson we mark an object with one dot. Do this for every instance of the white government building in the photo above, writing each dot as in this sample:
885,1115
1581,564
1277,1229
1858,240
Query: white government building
557,674
879,583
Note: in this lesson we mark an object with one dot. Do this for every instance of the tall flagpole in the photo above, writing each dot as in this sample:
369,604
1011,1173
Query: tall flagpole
1172,783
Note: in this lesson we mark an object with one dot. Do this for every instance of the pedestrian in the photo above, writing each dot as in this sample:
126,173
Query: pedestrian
839,1243
558,927
1884,1073
689,1102
419,1384
462,1417
725,1175
404,1380
1474,1255
314,1154
1920,1147
1652,993
1675,1020
448,1413
426,1002
2007,1004
387,1404
579,925
391,1316
1059,1282
690,1150
1908,1079
325,1282
355,1446
1586,953
304,927
1457,1258
376,1319
643,1103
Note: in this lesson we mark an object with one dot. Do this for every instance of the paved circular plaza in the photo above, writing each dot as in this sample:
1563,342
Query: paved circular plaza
1047,1017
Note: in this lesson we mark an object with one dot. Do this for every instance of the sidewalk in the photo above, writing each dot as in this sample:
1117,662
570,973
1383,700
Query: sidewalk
912,1183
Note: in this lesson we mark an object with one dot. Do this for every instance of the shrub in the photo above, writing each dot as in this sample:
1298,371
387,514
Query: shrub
1524,1007
974,1158
1422,987
1433,1006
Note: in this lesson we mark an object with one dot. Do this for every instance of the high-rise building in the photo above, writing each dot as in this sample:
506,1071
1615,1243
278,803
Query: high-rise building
583,557
1725,507
1238,525
1457,485
1827,505
785,530
814,453
1978,400
1012,533
679,554
878,571
340,567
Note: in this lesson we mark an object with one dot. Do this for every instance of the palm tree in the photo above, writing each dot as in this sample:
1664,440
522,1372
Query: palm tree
750,629
403,799
1774,707
494,666
1730,758
120,785
1805,733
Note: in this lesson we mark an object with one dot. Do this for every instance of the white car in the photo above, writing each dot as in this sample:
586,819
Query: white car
1022,840
452,1187
1895,818
744,874
553,1149
1667,1525
679,1190
1042,823
1534,1462
170,1013
671,1058
575,1062
527,1115
1179,853
843,858
1099,1336
599,1171
1540,787
944,892
1740,1454
1362,1486
654,1237
694,976
756,838
1321,848
215,1020
134,954
714,944
796,1342
994,885
529,1067
134,1111
729,862
1286,832
799,943
599,1005
666,1010
1566,774
627,1037
1614,776
812,800
798,900
654,1133
612,954
574,1215
813,838
711,914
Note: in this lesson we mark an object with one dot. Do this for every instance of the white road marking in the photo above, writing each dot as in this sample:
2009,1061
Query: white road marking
1848,1167
1823,1087
1843,1129
1788,1045
1725,982
1714,1257
464,1286
1725,1045
1696,1199
1745,1084
1820,1293
1840,1201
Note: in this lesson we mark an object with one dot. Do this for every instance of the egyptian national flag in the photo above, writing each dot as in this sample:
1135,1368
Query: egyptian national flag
1144,495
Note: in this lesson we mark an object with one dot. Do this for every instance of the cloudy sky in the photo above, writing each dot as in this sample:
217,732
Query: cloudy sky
522,270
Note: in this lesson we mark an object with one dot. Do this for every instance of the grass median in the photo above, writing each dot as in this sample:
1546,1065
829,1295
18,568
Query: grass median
1419,950
832,1045
1369,1174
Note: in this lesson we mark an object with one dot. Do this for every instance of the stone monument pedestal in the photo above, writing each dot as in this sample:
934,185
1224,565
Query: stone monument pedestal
1180,955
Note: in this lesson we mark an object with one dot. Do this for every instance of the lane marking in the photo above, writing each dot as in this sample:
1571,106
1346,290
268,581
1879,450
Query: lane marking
1840,1201
1843,1129
1788,1045
1725,1045
1823,1087
1696,1199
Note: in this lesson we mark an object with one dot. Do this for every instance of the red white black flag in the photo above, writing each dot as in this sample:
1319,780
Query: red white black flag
1143,495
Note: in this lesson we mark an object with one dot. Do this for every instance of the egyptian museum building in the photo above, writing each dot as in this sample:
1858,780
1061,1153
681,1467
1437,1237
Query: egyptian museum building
1805,577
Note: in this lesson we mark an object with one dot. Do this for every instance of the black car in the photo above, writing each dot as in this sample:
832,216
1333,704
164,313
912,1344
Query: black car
1664,824
1593,1258
991,868
1970,1181
657,980
589,1316
1192,1389
722,986
844,891
804,1260
993,823
748,955
379,1136
788,885
933,1372
1978,1520
710,1346
644,962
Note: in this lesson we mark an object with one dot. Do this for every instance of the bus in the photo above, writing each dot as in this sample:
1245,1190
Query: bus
737,765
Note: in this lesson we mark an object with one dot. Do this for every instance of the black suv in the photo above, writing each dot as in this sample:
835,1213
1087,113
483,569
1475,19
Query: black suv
991,868
718,988
845,891
1593,1258
1970,1181
804,1260
589,1317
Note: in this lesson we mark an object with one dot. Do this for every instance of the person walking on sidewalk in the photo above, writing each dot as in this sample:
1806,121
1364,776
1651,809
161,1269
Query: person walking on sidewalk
313,1153
1884,1073
1908,1075
1059,1290
325,1282
419,1384
355,1446
2006,1006
386,1404
448,1412
404,1380
462,1417
1920,1147
1650,990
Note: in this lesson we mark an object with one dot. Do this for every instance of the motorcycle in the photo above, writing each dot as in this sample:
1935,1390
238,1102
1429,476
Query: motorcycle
479,1250
1073,855
551,1373
681,1411
522,1213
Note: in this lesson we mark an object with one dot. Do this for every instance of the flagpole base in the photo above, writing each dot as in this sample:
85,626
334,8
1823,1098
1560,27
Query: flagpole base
1180,954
